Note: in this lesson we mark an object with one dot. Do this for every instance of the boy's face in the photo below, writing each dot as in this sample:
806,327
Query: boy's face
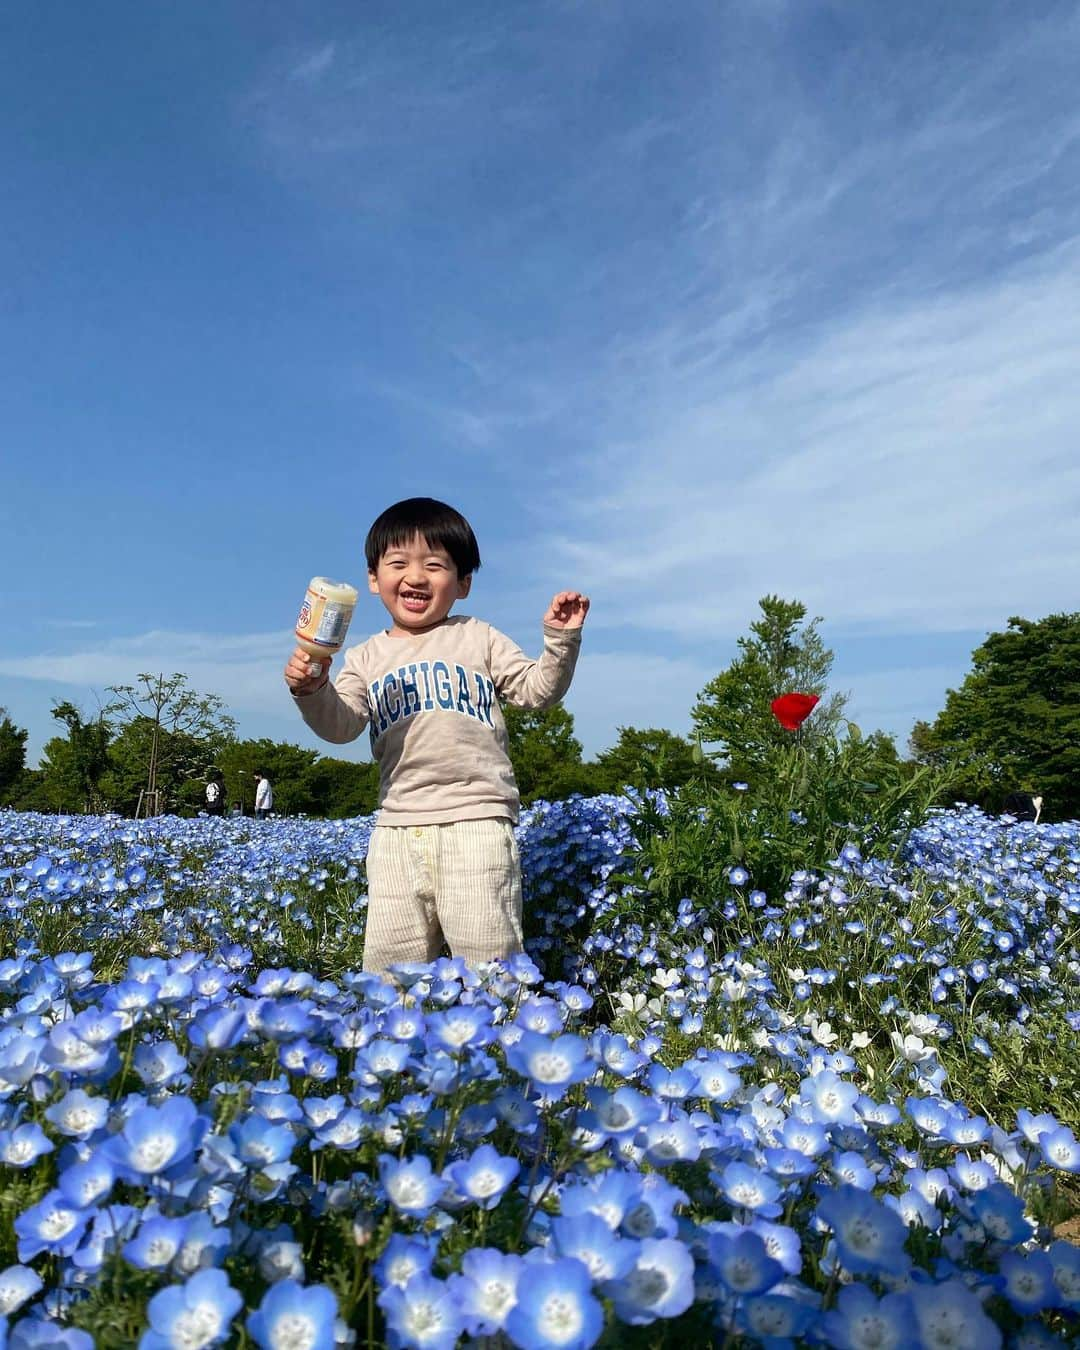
418,585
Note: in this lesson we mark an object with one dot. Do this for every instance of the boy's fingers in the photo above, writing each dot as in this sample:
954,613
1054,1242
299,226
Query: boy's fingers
303,669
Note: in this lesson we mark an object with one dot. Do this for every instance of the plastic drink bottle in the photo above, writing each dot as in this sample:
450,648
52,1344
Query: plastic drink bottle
324,618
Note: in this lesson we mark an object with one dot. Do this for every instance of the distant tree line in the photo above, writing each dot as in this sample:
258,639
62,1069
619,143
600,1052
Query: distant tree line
1014,724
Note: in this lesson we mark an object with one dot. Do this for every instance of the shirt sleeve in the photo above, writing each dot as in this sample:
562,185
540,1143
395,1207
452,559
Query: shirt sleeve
526,683
338,712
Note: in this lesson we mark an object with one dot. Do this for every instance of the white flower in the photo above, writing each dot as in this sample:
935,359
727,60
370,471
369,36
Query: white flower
911,1048
860,1040
822,1032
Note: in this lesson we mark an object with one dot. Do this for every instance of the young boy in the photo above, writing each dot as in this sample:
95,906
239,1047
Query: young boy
442,862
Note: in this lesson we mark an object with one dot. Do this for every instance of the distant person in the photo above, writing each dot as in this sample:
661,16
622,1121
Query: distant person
1022,806
264,796
442,863
214,802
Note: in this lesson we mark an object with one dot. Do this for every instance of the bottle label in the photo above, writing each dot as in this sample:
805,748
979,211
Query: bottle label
323,622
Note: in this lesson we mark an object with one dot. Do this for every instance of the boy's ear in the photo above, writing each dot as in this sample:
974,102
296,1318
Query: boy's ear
372,583
463,586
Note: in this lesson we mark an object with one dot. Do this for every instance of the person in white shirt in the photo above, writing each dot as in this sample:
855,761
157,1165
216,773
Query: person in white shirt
264,796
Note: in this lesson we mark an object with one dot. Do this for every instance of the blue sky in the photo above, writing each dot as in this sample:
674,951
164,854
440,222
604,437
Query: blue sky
680,305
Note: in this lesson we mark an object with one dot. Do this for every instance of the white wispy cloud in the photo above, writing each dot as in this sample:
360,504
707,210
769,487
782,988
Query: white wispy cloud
913,465
244,670
315,64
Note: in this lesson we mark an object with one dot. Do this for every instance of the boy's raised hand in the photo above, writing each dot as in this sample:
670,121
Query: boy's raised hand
298,674
567,610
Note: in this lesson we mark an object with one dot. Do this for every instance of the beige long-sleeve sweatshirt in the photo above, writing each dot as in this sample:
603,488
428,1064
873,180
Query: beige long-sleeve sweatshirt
431,703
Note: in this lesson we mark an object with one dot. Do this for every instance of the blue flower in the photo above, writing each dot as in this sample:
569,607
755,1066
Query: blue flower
832,1099
17,1284
22,1146
156,1140
53,1225
1065,1259
661,1283
715,1080
742,1262
860,1320
486,1289
87,1183
292,1314
670,1141
34,1333
555,1308
590,1240
1028,1281
460,1028
747,1188
193,1315
157,1242
611,1195
775,1320
869,1236
409,1184
484,1176
260,1143
1060,1149
423,1314
552,1066
218,1028
403,1257
950,1314
159,1064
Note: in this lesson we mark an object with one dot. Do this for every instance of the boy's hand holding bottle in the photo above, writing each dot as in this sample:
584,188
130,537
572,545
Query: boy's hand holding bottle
298,673
567,610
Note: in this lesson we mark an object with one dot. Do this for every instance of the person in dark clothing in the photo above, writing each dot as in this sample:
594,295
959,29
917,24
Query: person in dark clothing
1021,805
214,801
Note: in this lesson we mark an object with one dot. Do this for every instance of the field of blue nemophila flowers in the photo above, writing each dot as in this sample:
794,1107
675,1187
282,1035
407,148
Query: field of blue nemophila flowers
841,1114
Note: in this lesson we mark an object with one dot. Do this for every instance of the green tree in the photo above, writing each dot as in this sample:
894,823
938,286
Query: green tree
340,789
649,758
12,757
545,754
178,731
182,763
73,766
1014,723
783,654
287,767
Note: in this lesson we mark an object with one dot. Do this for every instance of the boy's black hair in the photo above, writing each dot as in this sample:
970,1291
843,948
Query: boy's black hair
439,524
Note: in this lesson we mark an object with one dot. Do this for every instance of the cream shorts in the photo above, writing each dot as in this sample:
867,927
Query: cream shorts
429,884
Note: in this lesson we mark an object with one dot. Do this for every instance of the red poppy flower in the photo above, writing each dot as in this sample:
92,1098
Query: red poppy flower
792,710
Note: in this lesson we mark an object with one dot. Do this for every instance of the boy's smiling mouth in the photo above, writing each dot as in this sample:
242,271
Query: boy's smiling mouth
414,599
